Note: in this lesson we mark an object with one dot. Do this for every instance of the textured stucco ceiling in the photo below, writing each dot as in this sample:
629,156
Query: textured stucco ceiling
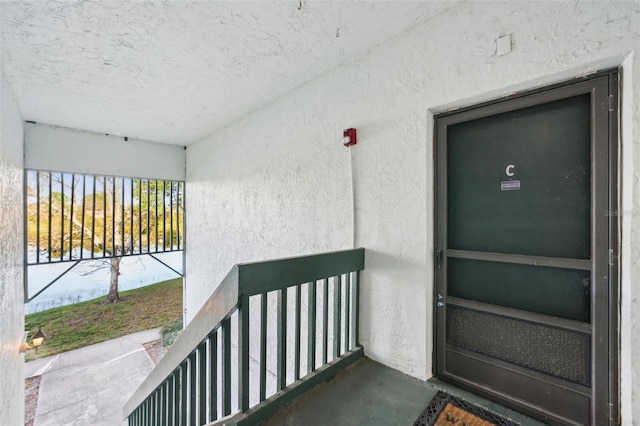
175,71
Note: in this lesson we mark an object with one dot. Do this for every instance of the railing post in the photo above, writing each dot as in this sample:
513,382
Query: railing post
243,354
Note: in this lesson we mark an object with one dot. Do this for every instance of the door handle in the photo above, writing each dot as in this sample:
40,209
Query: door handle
438,258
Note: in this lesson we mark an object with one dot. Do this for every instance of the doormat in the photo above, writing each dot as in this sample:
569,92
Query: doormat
447,410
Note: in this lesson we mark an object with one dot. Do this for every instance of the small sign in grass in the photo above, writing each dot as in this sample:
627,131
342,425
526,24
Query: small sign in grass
82,324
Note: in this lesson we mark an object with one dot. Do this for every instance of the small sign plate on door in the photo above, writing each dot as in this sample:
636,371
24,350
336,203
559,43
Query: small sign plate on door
510,185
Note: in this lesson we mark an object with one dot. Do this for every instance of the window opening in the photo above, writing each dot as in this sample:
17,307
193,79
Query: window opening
74,218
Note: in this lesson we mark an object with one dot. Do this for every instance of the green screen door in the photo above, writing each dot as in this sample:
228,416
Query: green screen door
524,266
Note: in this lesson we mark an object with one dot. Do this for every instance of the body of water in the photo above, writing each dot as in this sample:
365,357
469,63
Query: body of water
90,279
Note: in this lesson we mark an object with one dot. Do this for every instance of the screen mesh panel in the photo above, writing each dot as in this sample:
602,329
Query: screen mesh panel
562,353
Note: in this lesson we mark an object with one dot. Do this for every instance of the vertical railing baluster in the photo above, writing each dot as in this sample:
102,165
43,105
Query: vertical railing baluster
113,216
178,206
156,408
355,320
263,347
160,409
213,376
155,250
171,215
243,354
61,216
131,222
148,224
84,195
226,366
93,218
154,412
49,220
147,410
122,250
162,418
158,419
164,216
104,216
38,217
337,315
139,215
193,389
325,320
347,309
296,350
169,421
282,339
73,192
202,383
176,397
170,400
152,409
183,392
311,327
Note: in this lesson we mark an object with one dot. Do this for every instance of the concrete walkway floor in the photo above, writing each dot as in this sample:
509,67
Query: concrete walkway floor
369,393
89,386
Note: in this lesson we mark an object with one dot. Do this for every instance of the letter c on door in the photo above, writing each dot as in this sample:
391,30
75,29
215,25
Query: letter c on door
509,169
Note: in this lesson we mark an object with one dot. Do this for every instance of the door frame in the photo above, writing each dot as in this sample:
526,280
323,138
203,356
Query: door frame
605,387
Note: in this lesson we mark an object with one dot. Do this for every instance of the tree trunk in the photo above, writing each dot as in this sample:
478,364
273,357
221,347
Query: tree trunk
113,296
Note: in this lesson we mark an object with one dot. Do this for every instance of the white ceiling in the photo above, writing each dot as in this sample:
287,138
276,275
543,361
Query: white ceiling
176,71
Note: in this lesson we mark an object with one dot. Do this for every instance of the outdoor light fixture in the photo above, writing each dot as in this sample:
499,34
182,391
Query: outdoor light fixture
36,340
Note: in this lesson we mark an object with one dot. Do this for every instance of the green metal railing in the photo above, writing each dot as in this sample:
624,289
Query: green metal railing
297,316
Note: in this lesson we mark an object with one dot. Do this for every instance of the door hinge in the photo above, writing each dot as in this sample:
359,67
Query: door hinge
611,105
611,257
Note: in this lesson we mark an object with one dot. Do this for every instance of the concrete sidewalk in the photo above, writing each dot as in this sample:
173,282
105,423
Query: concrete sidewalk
89,386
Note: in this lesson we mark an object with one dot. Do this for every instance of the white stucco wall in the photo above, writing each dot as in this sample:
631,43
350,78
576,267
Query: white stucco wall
71,150
278,181
11,261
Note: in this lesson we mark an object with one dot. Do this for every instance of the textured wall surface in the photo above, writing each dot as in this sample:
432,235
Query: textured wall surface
278,182
69,150
175,71
11,263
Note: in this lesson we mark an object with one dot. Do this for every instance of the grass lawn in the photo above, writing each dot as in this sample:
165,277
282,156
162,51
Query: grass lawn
85,323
